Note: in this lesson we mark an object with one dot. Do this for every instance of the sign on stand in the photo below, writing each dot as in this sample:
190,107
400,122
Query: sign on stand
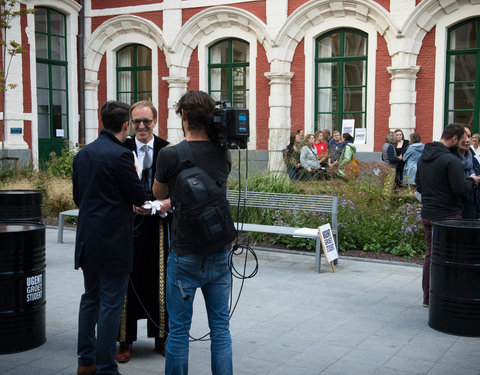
328,244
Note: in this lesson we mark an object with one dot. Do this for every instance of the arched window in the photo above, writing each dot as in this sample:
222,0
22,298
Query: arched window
52,87
463,74
228,72
134,74
340,79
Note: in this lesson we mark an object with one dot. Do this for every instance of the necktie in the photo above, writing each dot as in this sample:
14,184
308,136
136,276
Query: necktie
146,158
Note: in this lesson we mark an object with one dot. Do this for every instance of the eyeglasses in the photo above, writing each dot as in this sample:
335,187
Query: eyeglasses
145,121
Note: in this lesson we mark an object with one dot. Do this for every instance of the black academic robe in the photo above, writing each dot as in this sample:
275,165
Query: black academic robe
147,281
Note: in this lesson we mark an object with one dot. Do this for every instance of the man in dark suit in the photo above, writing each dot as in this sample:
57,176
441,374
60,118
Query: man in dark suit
146,290
105,186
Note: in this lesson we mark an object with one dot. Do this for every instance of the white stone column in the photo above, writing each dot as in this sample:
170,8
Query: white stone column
403,98
177,86
91,110
279,122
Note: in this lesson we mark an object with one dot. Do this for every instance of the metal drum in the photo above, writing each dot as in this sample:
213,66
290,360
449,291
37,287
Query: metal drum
22,286
21,205
455,277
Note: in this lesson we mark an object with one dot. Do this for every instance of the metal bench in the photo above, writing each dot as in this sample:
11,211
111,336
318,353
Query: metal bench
61,221
281,201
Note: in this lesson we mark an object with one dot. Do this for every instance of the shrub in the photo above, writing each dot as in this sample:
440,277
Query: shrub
370,217
61,166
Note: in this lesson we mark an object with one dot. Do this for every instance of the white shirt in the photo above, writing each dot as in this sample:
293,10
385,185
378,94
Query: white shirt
141,153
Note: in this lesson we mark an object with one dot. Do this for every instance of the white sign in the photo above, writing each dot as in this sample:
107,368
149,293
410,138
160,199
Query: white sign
34,288
360,136
59,133
348,126
328,242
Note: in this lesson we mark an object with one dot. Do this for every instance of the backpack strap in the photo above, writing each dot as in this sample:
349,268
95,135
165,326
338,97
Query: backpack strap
186,160
185,156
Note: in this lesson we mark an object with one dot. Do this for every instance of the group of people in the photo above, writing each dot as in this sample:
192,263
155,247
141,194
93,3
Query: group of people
134,262
318,156
401,156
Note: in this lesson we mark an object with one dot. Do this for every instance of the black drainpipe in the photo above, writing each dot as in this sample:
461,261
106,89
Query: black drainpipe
81,74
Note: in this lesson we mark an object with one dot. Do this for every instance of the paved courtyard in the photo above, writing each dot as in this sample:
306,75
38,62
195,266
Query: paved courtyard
366,318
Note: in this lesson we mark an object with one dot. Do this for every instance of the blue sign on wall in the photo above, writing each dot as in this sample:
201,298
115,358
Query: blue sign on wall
15,130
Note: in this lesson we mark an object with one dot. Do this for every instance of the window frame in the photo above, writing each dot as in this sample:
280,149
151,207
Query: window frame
53,62
448,82
341,59
135,68
230,65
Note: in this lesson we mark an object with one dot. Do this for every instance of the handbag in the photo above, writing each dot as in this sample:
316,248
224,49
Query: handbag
351,169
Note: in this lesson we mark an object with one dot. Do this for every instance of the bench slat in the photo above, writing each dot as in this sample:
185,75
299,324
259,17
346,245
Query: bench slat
312,203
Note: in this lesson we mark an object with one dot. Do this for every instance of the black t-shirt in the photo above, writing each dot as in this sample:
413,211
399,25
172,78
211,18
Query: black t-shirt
214,161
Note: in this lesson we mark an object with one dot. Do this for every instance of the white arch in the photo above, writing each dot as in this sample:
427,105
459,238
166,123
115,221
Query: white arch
108,38
208,21
317,17
114,30
312,14
211,25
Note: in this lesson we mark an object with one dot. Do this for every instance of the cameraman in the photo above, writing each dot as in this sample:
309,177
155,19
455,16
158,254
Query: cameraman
186,269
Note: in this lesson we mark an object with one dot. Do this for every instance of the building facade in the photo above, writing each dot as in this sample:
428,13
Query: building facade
295,64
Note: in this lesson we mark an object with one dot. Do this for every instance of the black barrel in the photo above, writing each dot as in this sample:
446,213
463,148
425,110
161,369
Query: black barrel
21,205
455,277
22,286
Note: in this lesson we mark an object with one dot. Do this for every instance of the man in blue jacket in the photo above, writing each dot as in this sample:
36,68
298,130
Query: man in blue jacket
105,188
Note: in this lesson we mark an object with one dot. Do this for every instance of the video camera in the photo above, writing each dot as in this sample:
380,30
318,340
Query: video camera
231,127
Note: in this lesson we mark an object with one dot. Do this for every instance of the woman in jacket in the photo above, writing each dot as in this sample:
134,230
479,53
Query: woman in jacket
411,157
471,167
291,156
309,158
401,145
347,155
391,160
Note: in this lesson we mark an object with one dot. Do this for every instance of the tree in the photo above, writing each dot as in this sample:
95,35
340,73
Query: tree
9,48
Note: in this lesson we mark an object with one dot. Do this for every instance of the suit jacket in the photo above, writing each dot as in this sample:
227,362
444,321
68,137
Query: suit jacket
105,186
158,144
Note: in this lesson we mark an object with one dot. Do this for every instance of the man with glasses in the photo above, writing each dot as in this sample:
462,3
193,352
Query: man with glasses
145,298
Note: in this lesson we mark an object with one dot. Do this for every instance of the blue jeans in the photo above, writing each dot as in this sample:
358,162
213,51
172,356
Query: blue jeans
212,275
100,306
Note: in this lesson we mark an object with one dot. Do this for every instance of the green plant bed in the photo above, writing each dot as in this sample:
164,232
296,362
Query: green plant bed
371,218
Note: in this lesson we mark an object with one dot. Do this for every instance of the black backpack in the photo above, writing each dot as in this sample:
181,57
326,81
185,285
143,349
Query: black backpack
202,212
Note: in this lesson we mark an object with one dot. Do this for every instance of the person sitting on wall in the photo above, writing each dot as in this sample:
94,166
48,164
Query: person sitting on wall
291,156
335,149
347,155
322,149
309,159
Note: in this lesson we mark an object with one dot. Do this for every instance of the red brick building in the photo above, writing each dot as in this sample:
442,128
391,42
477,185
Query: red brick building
295,64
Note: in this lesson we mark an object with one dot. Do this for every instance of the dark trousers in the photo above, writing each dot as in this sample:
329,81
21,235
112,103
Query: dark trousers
100,307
